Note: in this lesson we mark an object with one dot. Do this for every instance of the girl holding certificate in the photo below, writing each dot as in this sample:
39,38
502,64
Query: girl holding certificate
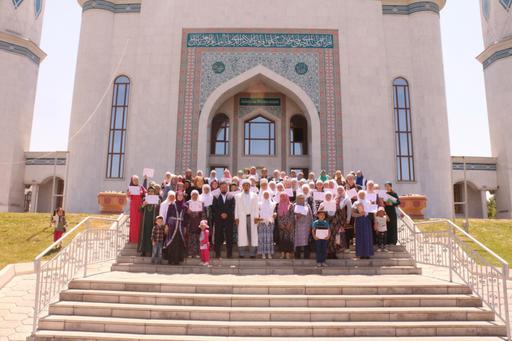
303,221
320,232
285,223
265,219
363,226
195,214
329,206
135,193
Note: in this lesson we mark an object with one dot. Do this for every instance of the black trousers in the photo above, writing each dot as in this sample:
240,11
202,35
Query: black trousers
224,233
302,250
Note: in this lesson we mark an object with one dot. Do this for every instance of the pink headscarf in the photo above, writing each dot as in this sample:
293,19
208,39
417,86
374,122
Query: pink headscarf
284,204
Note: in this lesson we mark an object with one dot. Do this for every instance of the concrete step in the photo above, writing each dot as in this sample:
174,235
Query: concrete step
130,282
45,335
353,261
270,300
307,314
273,328
267,270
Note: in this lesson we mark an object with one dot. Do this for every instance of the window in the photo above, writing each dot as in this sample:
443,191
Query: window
298,135
220,135
403,130
117,132
219,170
38,6
16,3
260,137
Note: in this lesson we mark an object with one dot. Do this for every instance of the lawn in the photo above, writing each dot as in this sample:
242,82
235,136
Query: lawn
25,235
494,233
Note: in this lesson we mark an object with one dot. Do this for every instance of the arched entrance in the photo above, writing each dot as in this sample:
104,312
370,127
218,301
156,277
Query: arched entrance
259,106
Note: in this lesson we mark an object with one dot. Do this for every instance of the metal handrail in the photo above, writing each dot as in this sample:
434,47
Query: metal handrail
72,261
446,248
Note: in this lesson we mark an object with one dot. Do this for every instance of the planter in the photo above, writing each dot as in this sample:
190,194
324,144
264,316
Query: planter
112,202
413,205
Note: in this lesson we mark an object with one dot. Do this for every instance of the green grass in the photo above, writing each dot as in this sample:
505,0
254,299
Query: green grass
25,235
493,233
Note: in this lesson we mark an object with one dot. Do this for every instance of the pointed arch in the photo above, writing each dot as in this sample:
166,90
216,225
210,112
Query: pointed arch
280,83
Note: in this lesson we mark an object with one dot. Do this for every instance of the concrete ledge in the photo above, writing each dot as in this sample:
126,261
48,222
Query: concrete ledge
13,270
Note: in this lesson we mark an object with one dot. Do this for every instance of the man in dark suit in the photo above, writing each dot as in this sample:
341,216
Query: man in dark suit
223,209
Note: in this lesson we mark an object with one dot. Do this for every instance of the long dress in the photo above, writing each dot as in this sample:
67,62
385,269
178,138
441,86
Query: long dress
364,235
266,231
338,223
392,232
193,231
303,228
149,213
174,245
135,215
285,230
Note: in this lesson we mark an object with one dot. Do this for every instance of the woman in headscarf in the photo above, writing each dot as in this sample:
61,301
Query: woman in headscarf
340,222
391,206
135,204
207,198
329,206
363,226
285,223
302,226
266,225
175,218
149,213
195,213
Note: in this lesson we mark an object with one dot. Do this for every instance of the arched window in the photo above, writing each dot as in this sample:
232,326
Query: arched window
298,135
259,136
117,132
506,3
403,130
220,135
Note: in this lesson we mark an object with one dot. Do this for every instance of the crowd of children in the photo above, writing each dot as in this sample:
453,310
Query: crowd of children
262,214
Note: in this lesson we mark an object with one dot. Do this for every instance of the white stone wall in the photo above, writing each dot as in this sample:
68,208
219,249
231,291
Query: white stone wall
374,48
17,94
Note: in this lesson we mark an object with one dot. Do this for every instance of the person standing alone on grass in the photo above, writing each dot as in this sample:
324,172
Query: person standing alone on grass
59,224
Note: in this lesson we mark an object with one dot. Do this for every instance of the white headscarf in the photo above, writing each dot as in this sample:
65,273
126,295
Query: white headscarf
164,206
364,202
267,207
207,199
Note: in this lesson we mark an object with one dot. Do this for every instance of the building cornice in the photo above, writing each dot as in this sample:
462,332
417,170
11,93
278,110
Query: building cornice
114,6
406,7
22,46
495,52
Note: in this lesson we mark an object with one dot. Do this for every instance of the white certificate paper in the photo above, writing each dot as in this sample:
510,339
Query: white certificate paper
352,193
216,191
149,172
289,191
134,190
301,210
382,193
373,208
329,206
196,206
321,233
371,197
318,196
152,199
206,199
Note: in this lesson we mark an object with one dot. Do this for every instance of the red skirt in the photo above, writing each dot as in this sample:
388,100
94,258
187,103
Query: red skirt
57,235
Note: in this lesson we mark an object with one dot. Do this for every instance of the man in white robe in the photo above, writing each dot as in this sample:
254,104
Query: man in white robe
246,213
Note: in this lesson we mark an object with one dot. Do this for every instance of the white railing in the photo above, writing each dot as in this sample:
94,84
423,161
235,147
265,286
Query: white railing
91,244
447,245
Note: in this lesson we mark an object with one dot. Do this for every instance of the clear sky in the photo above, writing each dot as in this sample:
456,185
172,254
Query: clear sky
462,42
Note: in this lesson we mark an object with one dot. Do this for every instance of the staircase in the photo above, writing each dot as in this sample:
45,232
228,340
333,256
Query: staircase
385,298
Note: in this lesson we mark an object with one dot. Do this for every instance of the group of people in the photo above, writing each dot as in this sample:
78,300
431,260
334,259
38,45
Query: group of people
288,213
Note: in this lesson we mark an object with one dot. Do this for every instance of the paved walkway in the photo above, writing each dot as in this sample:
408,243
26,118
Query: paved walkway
17,299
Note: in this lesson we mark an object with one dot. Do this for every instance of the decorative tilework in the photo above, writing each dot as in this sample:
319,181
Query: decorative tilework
112,7
282,63
497,56
218,67
428,6
19,50
301,68
260,40
474,166
198,80
274,110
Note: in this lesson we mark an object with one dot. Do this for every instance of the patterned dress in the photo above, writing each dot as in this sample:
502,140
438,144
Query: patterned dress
338,223
193,231
266,238
303,228
285,230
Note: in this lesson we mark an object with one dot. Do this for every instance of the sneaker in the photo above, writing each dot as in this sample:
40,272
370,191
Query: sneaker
324,265
263,256
318,265
269,256
380,250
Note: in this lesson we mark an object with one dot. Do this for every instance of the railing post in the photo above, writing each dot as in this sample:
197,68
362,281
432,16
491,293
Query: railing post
450,251
37,269
117,237
414,243
86,251
505,300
